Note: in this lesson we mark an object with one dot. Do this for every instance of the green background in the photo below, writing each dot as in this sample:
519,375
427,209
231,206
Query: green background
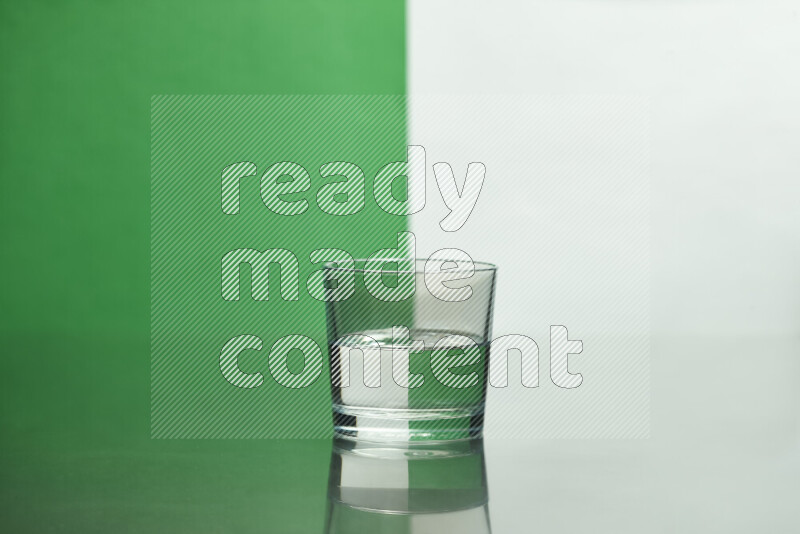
193,139
75,145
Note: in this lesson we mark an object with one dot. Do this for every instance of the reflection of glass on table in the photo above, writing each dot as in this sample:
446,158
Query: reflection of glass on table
409,488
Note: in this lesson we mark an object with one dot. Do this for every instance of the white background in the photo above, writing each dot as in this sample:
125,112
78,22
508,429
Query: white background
723,81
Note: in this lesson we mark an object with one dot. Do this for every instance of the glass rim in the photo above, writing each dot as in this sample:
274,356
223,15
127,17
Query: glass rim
478,266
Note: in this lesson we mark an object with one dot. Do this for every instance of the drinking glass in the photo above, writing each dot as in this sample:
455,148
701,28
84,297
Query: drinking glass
408,341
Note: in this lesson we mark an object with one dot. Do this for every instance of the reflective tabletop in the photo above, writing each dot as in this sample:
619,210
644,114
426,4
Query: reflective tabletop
723,456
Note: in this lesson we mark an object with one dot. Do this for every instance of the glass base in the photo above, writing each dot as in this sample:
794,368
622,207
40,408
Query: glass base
402,425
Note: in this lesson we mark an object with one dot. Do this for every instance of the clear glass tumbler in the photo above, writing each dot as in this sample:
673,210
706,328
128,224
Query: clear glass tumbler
409,347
